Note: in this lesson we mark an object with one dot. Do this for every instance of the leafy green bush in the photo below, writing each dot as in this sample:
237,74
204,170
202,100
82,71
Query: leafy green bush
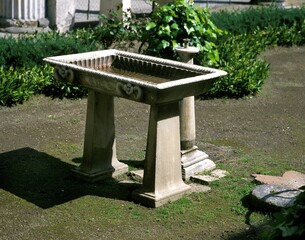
29,50
23,73
246,73
249,32
249,20
172,23
57,89
113,32
19,84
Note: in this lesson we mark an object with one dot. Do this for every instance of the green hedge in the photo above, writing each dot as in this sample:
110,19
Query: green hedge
248,21
21,83
24,74
249,32
29,50
246,73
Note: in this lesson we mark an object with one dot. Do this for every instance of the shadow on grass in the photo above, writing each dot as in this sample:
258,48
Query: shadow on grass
254,232
46,181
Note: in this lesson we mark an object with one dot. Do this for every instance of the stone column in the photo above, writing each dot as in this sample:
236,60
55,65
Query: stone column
193,161
99,158
22,12
162,180
61,14
107,6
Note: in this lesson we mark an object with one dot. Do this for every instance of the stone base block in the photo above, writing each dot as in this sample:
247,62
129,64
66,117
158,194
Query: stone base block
156,200
205,179
100,175
4,23
195,162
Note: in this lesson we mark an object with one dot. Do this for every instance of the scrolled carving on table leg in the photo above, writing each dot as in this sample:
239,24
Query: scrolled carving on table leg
64,74
131,91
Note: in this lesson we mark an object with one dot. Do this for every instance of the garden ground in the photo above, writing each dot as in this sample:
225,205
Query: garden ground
42,139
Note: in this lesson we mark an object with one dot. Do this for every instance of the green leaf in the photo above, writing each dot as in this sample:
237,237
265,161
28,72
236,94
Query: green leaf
165,44
150,26
175,26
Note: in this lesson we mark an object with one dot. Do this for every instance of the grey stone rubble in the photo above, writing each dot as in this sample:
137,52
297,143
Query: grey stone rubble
276,192
292,179
273,198
137,175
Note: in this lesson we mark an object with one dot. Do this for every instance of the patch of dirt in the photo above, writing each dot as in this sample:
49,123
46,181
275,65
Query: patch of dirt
273,123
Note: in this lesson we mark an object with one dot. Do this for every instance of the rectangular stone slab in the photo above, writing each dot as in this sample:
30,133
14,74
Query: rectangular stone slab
133,76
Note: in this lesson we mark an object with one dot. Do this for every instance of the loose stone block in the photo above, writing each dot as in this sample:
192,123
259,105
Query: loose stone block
292,179
218,173
137,175
273,198
204,179
191,168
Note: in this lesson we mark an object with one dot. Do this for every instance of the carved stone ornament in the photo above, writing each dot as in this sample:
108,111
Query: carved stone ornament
64,74
132,91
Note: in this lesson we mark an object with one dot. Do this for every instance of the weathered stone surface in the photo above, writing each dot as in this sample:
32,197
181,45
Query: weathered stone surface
273,198
137,175
202,165
292,179
218,173
20,30
203,179
61,14
43,22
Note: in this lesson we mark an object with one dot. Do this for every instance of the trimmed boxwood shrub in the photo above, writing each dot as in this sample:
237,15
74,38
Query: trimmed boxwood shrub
249,32
246,73
19,84
249,20
23,72
29,50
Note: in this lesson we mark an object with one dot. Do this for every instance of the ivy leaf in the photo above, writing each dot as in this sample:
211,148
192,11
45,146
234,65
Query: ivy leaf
167,19
165,44
175,26
150,25
189,30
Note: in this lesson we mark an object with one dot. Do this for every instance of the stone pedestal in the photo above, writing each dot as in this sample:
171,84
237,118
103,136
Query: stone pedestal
107,6
99,159
61,14
193,161
21,13
162,171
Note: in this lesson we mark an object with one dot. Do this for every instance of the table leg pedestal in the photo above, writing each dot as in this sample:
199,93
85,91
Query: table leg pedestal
99,158
162,171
